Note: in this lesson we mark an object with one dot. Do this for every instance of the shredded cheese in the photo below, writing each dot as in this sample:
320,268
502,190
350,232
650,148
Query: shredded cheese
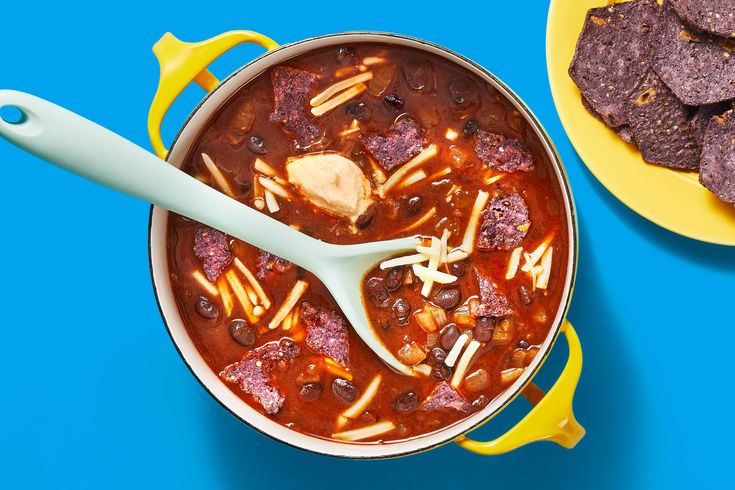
440,173
412,179
513,263
433,266
451,134
450,192
217,175
533,258
274,187
241,295
338,99
543,279
426,217
430,276
468,242
491,179
443,241
264,300
428,153
291,299
456,349
362,403
224,292
353,128
258,311
423,369
464,363
271,203
328,92
259,203
261,166
372,60
405,260
204,282
365,432
335,368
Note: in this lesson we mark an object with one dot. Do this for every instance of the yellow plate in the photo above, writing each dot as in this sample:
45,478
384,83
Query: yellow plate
672,199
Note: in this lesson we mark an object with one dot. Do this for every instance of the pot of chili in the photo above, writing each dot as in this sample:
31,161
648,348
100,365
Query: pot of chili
358,137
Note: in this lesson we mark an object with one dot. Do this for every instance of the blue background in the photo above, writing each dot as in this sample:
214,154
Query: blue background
94,394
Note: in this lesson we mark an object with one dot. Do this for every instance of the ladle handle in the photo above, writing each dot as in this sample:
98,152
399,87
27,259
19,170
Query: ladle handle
95,153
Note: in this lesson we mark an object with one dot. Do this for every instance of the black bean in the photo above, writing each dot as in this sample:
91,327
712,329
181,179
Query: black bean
311,391
345,391
359,111
377,292
484,327
437,355
525,295
393,102
245,187
442,372
346,56
458,268
206,308
448,336
242,333
470,127
522,344
412,206
257,145
394,278
463,91
401,311
366,219
448,297
406,402
417,72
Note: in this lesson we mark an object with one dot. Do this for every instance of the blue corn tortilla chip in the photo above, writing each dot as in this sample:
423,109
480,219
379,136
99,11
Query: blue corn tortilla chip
714,16
717,169
612,52
403,141
698,67
291,90
212,248
505,223
662,126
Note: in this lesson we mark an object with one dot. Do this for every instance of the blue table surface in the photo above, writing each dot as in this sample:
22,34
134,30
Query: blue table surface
94,394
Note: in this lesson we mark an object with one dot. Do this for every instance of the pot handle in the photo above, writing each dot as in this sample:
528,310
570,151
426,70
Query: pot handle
182,63
551,418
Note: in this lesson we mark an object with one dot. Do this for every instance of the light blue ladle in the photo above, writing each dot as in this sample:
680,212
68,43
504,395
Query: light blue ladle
95,153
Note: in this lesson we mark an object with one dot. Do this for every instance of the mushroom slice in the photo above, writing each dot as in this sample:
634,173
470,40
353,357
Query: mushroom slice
331,182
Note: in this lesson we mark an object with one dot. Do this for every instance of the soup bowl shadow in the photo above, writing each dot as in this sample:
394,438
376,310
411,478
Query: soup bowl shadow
715,257
248,459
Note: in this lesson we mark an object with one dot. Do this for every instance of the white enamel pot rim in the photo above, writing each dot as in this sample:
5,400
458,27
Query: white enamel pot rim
184,343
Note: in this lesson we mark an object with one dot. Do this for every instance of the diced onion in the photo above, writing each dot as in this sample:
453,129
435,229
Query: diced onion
451,134
365,432
464,363
513,263
456,349
511,374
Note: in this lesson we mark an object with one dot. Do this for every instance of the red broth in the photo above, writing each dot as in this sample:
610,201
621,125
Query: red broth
296,382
